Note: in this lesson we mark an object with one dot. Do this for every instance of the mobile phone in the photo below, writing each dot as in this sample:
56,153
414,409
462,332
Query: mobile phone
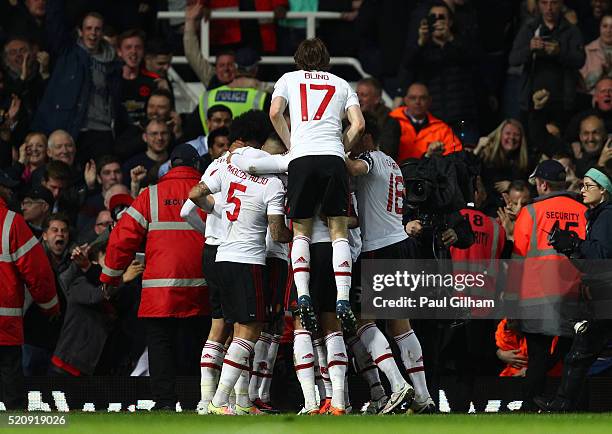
140,257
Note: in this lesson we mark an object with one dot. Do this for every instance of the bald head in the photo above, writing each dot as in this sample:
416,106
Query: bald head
592,134
61,147
113,190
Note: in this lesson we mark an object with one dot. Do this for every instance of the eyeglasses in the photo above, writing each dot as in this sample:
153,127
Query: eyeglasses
588,187
29,202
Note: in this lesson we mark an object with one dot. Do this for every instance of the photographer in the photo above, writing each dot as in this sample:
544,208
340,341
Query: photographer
591,336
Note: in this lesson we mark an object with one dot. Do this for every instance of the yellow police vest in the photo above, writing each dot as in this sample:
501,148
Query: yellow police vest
238,99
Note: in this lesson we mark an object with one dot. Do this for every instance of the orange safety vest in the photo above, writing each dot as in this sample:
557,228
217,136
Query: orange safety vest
545,276
413,145
489,240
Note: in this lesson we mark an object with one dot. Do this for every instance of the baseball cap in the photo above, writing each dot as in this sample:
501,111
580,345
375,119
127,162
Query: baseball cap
548,170
184,155
40,193
7,181
246,58
120,199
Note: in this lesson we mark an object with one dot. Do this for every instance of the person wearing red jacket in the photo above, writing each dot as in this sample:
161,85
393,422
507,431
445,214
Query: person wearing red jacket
23,263
174,302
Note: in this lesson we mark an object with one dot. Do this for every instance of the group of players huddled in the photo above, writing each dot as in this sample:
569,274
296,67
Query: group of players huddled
254,274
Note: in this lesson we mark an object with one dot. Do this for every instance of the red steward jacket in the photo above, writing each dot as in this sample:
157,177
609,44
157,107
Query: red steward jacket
23,263
172,284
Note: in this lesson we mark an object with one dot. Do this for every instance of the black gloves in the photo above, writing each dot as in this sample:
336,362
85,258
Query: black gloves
564,241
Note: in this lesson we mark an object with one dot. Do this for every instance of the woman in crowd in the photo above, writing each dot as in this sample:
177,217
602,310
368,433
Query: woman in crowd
598,62
32,156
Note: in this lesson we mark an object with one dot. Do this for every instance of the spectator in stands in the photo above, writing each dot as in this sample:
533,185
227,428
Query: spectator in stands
136,86
369,92
61,147
504,154
216,116
417,132
598,61
90,313
158,59
36,207
32,156
573,182
108,174
551,51
600,105
593,149
27,72
27,18
41,334
89,234
218,144
159,106
444,61
590,18
224,70
157,138
83,94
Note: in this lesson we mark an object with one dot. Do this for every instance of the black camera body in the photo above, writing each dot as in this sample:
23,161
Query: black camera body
431,21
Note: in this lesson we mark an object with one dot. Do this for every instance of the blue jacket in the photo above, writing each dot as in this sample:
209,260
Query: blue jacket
66,99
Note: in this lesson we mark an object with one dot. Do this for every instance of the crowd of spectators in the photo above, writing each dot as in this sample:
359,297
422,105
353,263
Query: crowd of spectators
87,115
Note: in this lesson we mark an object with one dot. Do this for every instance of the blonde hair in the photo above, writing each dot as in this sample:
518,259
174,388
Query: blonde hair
34,134
493,154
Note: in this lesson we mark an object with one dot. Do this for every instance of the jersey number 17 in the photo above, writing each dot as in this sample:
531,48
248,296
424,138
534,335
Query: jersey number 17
329,93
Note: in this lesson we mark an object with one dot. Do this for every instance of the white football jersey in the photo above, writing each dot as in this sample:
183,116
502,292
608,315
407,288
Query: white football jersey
380,195
317,103
214,226
248,200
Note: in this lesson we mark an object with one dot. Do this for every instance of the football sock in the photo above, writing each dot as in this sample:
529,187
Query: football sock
337,362
237,359
211,363
343,264
379,349
300,262
303,361
412,357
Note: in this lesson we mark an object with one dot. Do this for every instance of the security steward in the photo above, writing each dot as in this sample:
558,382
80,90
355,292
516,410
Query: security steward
544,277
591,336
174,302
23,263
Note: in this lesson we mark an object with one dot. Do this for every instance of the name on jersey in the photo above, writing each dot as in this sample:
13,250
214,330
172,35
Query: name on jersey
481,238
562,215
231,96
240,174
391,163
316,76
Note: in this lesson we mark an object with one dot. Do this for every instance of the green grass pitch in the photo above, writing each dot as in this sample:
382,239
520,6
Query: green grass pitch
187,423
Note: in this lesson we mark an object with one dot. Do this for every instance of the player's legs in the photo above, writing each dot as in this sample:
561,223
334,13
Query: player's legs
412,358
343,264
337,360
303,361
368,370
300,263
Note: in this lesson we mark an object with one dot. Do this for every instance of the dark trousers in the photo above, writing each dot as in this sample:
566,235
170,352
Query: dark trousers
584,351
540,361
94,144
11,376
175,346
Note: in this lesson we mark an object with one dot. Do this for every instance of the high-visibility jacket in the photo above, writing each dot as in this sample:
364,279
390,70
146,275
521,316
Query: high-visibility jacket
23,263
413,145
238,99
172,284
227,32
545,277
483,254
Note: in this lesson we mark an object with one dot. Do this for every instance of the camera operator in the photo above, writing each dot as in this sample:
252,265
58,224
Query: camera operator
591,336
433,223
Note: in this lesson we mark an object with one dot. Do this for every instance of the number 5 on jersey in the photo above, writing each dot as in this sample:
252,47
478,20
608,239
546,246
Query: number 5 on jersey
233,199
329,93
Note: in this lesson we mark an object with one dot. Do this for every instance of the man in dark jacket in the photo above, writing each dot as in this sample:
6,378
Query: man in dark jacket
551,51
83,95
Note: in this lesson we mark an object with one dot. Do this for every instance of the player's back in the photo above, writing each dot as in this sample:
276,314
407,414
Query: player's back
248,201
380,195
317,102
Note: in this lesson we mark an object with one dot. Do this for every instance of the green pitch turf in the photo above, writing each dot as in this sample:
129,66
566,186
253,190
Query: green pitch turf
186,423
